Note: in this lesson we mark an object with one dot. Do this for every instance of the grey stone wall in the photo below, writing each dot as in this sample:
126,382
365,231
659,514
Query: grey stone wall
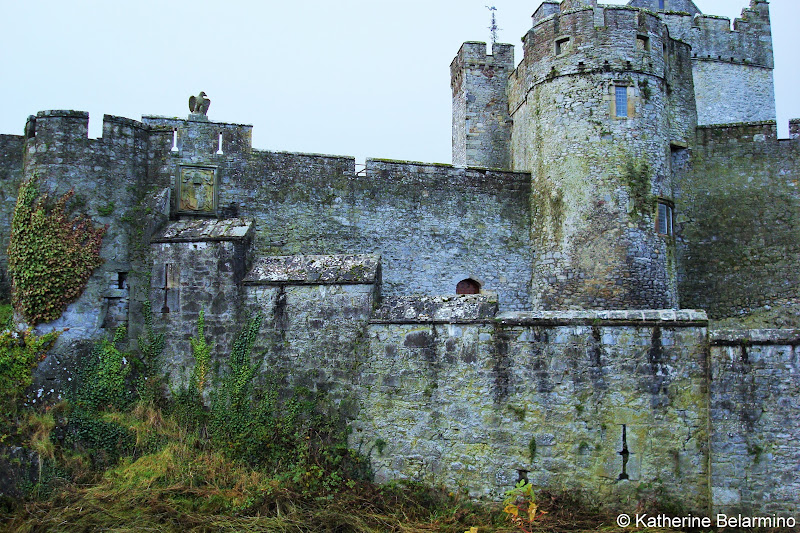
477,403
198,265
106,175
481,123
596,176
433,225
11,150
729,92
755,429
737,209
732,68
682,6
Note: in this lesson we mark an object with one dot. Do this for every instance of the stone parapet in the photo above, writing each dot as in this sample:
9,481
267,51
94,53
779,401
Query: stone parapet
437,309
620,317
315,270
205,230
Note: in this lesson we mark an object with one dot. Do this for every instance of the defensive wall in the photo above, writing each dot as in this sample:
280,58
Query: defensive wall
582,362
738,252
594,117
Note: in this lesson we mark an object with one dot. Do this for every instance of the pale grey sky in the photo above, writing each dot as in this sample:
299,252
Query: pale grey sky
353,77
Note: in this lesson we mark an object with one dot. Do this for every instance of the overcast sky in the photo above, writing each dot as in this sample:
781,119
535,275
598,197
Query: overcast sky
355,77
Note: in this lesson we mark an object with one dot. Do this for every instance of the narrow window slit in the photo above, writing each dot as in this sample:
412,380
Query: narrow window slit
624,453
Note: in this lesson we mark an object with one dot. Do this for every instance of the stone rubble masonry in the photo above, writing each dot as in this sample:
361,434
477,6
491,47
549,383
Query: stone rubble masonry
481,123
732,69
576,346
738,249
479,403
316,269
755,396
597,175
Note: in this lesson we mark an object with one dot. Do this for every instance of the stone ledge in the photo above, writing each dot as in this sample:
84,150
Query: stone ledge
315,270
62,113
200,229
745,337
445,309
614,317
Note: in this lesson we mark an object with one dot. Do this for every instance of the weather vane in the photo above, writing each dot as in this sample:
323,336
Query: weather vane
493,27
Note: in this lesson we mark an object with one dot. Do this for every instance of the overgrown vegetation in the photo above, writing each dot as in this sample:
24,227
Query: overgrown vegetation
50,255
20,352
228,453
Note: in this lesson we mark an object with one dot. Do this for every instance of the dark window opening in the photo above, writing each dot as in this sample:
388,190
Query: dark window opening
122,278
562,46
643,43
661,4
468,286
625,454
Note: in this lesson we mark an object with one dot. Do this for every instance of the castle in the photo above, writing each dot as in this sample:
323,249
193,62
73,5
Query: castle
539,309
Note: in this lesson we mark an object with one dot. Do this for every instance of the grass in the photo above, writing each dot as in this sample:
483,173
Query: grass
184,485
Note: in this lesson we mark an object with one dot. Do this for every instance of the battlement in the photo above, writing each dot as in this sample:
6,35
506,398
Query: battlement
667,6
748,41
594,39
746,132
183,137
473,55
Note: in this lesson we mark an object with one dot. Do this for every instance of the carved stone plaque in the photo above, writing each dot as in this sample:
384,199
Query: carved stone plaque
197,190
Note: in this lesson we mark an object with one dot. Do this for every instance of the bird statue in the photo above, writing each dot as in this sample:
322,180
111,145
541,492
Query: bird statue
199,104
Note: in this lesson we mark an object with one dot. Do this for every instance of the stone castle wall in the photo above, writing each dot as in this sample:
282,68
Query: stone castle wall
732,68
481,123
551,397
598,171
755,379
11,150
354,273
737,224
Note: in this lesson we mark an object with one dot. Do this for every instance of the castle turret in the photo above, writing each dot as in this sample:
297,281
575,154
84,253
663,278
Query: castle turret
481,123
596,121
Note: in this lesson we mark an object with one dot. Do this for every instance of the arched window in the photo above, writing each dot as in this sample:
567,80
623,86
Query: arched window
468,286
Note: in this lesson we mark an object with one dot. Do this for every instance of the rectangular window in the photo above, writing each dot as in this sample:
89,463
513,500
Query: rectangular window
621,100
661,4
664,219
643,43
562,46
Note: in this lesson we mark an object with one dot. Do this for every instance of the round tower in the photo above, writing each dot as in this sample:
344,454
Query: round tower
601,118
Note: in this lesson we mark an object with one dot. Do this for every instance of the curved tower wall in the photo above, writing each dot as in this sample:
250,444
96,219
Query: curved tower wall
599,172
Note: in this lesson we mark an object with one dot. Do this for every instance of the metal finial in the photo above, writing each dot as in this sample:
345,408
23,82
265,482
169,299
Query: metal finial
493,28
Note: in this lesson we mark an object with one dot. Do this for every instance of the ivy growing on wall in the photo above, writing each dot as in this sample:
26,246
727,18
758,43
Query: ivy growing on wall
50,255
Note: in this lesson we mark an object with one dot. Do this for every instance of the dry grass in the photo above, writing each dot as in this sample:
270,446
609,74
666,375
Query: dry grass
183,485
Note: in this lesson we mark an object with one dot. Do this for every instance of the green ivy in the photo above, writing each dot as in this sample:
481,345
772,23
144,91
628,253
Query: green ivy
50,255
20,352
103,376
102,387
201,350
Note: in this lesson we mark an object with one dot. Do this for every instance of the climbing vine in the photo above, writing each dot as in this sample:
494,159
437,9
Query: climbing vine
50,255
20,352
